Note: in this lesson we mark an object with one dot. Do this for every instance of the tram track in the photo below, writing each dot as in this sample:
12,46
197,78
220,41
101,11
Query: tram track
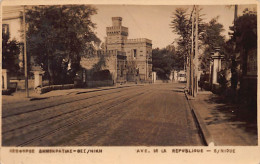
34,107
78,122
69,127
49,111
56,121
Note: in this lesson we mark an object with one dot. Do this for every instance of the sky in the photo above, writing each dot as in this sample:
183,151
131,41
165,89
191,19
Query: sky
153,22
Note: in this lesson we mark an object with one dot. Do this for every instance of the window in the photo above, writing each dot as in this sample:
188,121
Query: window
5,28
134,53
122,73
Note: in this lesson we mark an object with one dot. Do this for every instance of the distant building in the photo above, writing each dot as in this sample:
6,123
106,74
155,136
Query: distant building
11,24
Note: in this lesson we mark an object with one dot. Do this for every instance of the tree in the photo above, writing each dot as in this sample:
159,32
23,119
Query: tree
182,26
243,38
58,36
10,52
163,61
211,38
132,71
245,30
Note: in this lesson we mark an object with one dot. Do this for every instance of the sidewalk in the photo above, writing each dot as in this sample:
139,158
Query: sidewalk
224,124
20,96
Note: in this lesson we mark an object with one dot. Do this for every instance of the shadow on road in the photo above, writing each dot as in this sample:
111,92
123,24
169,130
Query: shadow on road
41,98
178,90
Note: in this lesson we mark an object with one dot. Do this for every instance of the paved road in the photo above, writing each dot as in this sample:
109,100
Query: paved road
149,115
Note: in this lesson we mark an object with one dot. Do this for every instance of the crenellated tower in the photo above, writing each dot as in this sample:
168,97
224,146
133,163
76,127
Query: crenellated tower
138,52
116,35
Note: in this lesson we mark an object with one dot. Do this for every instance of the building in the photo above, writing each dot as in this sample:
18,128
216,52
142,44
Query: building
138,51
104,65
126,59
11,24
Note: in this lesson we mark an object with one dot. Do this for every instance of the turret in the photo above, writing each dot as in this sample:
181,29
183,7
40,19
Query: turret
117,21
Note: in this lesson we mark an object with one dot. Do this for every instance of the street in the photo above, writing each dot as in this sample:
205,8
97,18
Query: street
138,115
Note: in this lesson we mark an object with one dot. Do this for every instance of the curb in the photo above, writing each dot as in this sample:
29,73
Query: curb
204,132
43,96
110,88
94,90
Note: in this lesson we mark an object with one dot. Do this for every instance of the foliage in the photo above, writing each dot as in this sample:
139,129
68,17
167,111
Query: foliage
58,36
10,53
164,61
131,67
243,38
211,38
182,25
222,80
245,30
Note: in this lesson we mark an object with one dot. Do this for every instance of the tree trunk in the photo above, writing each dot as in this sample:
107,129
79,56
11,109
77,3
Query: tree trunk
51,80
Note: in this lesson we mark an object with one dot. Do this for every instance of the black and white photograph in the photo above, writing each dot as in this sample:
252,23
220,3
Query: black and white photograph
129,75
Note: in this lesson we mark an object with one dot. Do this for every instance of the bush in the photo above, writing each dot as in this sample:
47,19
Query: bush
222,80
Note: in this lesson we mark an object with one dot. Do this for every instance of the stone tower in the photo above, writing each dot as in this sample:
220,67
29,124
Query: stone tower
116,35
138,52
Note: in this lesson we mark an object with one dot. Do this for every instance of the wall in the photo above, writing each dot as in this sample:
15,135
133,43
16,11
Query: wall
116,36
92,84
108,63
20,84
143,55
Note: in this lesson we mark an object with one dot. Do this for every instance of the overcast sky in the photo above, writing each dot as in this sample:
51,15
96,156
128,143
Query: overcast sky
153,22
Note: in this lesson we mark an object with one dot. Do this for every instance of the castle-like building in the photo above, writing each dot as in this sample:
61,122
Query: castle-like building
126,59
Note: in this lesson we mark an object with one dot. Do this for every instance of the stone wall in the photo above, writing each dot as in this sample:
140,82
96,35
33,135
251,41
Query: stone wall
20,84
96,63
92,84
113,61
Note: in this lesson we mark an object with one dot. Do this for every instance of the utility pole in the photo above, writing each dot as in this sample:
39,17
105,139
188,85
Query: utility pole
234,62
191,56
235,14
188,73
25,55
196,53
